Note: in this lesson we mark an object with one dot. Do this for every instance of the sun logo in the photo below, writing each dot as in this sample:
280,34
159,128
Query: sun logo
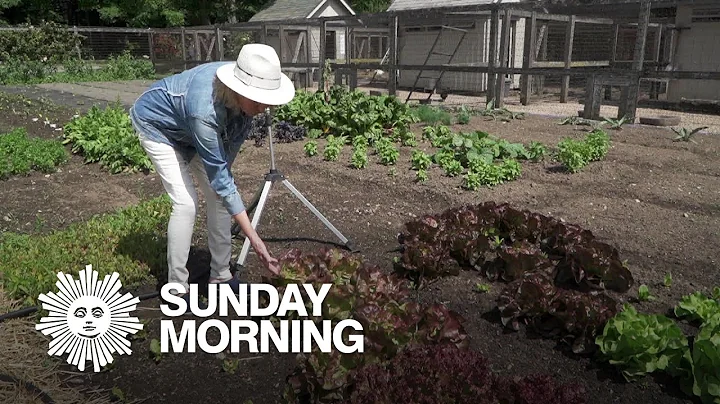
88,318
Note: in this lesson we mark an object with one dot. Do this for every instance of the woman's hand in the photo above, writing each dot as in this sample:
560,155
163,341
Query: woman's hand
270,263
257,244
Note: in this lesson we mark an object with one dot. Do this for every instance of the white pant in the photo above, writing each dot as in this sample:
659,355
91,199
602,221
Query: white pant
175,174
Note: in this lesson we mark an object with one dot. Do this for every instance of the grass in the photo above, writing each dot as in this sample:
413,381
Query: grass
129,241
20,154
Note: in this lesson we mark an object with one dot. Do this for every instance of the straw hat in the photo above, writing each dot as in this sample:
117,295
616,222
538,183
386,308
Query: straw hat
256,75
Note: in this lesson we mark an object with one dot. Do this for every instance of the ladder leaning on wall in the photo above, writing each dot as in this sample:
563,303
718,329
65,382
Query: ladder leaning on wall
432,52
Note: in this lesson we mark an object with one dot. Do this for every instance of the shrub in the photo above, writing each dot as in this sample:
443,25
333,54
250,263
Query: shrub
48,42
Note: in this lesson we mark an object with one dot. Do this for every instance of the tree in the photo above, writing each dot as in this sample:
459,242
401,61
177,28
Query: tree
370,6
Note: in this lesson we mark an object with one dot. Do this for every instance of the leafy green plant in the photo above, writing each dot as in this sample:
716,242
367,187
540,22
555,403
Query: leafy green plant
155,350
359,158
667,282
129,242
311,148
644,294
420,160
387,151
616,124
685,134
703,379
451,167
20,154
640,344
503,114
482,287
463,116
537,151
107,137
432,115
697,307
230,365
437,135
333,147
339,111
421,176
472,181
576,154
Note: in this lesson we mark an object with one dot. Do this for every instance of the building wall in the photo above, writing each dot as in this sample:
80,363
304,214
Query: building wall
330,9
415,44
697,49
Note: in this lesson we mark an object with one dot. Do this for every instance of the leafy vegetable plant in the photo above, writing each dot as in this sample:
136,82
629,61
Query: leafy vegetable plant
576,154
703,380
382,303
697,307
642,343
20,154
107,137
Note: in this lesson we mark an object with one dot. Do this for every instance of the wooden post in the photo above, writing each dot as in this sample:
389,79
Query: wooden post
569,35
503,62
263,34
655,87
77,45
283,44
528,57
492,58
321,54
543,57
184,47
629,101
151,47
613,58
220,43
392,78
198,50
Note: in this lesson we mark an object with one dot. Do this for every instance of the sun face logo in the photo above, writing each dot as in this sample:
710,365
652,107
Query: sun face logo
88,318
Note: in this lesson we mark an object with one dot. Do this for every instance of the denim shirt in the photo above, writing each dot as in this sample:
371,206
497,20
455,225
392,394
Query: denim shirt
180,111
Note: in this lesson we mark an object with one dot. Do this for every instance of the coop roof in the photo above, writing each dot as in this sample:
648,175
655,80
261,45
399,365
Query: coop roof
400,5
294,9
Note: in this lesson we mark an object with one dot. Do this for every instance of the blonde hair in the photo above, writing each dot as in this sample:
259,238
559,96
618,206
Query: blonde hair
224,94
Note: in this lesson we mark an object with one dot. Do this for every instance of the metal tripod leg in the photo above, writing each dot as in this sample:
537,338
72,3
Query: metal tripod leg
271,178
319,215
255,221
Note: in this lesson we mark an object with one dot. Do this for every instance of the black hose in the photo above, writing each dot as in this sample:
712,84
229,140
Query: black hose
30,310
18,313
44,397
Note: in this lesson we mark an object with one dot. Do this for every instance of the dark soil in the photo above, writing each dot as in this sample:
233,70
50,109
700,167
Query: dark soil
654,199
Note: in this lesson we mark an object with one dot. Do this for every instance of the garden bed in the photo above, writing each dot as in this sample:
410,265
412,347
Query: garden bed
653,199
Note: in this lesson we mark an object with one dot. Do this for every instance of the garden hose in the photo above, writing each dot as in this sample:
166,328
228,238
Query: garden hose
30,310
35,390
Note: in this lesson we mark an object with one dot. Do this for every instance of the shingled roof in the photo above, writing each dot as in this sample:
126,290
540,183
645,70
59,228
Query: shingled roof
293,9
400,5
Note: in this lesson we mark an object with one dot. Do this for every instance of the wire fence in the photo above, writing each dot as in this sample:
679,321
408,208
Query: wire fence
365,46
